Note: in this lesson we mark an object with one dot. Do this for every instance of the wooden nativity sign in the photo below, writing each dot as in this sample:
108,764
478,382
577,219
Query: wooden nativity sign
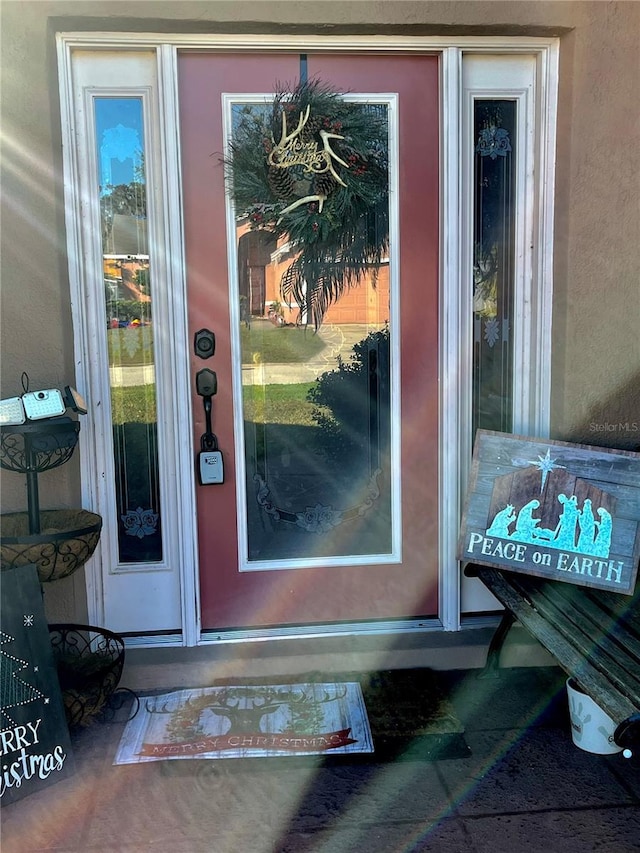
561,511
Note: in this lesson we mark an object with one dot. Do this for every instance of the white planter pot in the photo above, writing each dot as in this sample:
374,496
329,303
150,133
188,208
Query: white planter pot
591,729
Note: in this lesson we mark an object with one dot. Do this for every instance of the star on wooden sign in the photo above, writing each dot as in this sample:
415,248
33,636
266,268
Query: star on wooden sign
546,464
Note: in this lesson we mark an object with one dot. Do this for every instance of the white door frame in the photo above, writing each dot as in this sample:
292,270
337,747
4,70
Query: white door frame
531,387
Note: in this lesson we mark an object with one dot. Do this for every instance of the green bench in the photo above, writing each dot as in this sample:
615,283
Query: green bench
593,634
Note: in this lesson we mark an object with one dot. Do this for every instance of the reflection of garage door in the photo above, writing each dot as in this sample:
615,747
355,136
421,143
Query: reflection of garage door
370,301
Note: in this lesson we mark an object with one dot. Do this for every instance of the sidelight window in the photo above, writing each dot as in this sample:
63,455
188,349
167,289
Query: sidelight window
128,293
493,263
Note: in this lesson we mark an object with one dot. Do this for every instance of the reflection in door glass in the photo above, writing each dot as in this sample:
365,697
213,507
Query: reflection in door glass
128,299
316,393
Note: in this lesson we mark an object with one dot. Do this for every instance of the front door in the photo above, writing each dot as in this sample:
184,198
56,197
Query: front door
324,308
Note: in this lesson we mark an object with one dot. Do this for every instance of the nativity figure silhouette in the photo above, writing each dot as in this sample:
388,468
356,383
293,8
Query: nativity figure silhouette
577,530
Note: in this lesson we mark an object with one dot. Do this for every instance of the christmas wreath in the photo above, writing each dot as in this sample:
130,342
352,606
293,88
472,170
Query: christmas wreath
312,168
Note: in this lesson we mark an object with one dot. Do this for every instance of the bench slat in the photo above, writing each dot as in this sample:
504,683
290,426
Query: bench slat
621,624
520,596
605,654
610,623
612,632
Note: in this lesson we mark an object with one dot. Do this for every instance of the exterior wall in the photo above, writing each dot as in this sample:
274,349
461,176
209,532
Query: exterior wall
596,344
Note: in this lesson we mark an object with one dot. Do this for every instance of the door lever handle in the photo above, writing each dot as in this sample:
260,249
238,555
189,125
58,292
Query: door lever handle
207,386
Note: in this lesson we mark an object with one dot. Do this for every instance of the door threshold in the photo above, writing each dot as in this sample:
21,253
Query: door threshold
154,669
309,632
404,627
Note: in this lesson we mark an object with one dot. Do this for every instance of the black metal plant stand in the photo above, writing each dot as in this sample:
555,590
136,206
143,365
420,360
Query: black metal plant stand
89,660
58,541
36,447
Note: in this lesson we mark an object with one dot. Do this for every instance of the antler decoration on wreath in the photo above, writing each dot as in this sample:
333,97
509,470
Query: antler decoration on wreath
292,151
322,187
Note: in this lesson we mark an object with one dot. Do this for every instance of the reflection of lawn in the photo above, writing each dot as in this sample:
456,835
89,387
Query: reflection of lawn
278,404
263,342
135,404
270,344
274,404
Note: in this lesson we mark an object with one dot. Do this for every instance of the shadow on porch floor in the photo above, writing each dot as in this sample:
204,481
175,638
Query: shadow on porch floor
524,786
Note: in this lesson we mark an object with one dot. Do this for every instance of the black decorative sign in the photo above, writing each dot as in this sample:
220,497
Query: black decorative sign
555,510
34,738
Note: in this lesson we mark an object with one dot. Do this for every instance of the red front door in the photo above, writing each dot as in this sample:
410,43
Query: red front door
328,511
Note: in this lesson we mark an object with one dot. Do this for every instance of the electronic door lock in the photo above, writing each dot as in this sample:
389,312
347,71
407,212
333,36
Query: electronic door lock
204,343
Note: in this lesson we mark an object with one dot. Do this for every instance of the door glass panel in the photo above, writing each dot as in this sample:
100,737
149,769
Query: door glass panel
315,404
128,291
493,264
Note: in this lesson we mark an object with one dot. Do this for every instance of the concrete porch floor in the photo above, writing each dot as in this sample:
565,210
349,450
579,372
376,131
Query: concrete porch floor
525,786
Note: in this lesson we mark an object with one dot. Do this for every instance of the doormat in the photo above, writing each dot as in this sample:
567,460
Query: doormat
406,716
411,716
249,721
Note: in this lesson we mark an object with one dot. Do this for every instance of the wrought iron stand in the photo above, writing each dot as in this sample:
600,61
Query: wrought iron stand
70,536
89,660
35,447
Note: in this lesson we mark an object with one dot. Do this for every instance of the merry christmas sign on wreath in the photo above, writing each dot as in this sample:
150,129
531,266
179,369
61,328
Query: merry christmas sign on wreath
311,167
556,510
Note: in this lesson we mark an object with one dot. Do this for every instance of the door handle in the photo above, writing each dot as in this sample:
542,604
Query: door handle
207,387
210,463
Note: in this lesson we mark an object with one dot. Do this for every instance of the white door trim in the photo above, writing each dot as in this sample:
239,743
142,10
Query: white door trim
117,593
453,370
524,82
180,374
454,374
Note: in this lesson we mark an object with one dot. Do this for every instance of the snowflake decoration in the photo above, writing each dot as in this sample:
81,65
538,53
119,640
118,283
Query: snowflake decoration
131,342
492,331
140,522
28,620
493,142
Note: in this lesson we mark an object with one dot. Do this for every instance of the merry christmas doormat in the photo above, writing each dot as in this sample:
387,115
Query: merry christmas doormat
408,713
248,721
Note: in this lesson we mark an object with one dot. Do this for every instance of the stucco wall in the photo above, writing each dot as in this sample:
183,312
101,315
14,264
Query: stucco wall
596,333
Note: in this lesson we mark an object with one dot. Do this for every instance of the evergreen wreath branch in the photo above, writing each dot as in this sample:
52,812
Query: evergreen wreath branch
312,168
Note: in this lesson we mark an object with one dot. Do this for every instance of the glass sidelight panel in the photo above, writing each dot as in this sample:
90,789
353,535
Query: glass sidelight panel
493,263
128,290
315,413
